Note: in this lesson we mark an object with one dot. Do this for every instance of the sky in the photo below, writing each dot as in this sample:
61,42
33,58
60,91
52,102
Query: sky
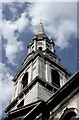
18,25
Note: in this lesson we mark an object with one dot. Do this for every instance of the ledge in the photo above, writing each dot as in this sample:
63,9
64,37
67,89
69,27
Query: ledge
27,88
46,58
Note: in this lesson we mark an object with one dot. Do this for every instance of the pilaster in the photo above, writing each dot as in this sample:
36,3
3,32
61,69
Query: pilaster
48,72
30,74
35,45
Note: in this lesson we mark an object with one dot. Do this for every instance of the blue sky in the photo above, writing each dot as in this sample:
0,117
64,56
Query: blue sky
18,25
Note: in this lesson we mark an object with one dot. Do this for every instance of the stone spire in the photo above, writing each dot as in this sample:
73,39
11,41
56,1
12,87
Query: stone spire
40,28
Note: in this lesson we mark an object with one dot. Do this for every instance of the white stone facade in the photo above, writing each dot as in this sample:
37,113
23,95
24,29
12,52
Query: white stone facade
72,103
40,67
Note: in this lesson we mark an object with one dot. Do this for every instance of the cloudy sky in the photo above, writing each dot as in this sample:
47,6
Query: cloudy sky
18,25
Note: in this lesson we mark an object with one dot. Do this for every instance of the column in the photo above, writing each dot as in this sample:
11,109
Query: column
14,92
17,89
35,45
44,45
37,67
48,72
20,86
52,48
30,74
28,50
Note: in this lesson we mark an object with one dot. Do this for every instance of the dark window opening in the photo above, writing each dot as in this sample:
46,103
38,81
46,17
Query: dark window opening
69,114
55,77
25,80
40,48
55,90
20,104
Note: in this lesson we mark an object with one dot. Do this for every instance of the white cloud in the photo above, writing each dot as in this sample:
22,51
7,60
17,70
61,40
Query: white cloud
13,46
0,49
14,7
49,12
39,0
12,51
58,19
63,32
21,23
5,85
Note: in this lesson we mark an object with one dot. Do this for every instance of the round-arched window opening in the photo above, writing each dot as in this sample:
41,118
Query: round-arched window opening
55,77
40,48
69,114
25,79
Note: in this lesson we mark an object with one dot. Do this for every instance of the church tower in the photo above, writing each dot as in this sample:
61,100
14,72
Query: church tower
41,73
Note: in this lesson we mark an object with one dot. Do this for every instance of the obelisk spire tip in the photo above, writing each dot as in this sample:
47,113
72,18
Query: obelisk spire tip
40,28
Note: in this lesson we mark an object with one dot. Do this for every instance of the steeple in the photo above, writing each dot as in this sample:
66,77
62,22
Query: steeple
40,28
39,77
42,43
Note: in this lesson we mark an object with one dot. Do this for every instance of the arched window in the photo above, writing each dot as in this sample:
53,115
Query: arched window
69,114
40,48
25,79
55,77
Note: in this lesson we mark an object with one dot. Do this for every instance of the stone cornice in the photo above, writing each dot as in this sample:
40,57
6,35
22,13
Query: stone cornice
28,87
46,58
